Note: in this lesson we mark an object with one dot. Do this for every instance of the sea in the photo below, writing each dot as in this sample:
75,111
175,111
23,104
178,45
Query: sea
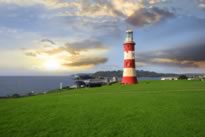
23,85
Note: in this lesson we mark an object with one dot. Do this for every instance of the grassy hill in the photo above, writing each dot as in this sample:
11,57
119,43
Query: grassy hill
150,109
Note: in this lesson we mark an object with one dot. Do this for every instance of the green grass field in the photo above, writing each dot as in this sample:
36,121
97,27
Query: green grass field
150,109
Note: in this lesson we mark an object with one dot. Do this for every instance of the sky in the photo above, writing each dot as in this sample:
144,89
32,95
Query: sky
63,37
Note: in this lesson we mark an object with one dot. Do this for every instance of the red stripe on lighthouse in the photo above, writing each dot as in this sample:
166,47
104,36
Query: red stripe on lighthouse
129,80
129,46
129,63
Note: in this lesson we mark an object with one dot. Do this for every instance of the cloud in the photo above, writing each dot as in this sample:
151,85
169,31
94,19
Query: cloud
190,56
48,41
79,55
148,16
89,61
89,8
97,8
46,3
112,8
111,17
74,48
153,1
127,7
85,7
77,47
116,8
201,3
105,17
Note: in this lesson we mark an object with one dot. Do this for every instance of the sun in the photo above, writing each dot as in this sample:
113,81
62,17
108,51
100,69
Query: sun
52,64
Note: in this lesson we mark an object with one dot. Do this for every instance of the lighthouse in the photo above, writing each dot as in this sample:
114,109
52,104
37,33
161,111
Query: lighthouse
129,71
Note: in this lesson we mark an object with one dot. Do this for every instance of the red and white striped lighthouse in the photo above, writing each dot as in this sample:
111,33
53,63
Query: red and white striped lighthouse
129,71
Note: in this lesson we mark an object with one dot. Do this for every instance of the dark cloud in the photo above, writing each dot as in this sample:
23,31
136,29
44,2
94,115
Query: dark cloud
48,41
191,55
83,62
73,48
77,47
147,16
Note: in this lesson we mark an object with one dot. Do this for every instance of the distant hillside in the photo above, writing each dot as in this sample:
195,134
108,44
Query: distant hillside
140,73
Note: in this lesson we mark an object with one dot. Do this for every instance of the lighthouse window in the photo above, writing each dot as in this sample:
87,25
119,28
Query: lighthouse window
130,35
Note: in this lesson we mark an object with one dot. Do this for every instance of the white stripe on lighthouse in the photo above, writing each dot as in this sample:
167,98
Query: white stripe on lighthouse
129,72
129,55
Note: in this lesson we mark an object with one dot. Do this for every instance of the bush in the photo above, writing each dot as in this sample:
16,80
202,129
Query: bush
183,77
15,95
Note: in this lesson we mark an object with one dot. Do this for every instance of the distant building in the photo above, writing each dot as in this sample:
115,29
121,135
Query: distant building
80,84
202,78
82,81
191,79
96,82
169,78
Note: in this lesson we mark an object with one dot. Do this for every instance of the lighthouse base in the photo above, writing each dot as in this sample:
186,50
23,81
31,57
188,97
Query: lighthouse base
129,80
